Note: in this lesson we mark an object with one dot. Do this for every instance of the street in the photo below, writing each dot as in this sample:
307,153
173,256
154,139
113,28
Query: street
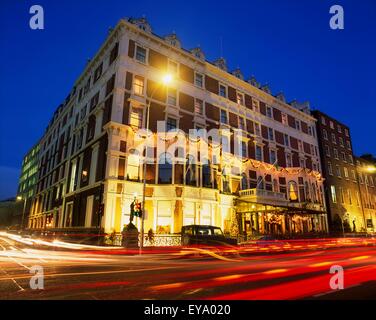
266,271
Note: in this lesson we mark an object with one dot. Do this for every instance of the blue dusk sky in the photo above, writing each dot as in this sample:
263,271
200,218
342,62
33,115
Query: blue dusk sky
286,43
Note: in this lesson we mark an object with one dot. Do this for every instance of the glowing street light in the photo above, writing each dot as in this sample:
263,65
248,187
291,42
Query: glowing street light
371,169
167,79
19,198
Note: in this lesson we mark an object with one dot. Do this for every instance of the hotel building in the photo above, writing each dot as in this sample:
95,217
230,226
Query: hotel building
89,154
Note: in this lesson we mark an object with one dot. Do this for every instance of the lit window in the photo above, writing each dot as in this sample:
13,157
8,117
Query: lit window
323,121
136,118
346,172
199,80
333,193
133,167
140,54
222,91
293,191
138,85
331,125
199,106
347,133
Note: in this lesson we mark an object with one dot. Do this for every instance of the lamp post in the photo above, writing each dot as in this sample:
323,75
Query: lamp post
166,79
23,210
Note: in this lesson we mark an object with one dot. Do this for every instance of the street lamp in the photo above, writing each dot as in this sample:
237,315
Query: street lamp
165,80
371,169
19,198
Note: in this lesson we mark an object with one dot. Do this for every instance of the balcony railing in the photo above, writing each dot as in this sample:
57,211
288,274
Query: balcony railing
263,196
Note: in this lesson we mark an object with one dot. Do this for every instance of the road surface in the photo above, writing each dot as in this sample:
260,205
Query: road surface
265,271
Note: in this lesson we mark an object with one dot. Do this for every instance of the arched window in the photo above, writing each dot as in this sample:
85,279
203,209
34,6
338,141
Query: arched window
293,191
165,169
190,175
244,182
206,176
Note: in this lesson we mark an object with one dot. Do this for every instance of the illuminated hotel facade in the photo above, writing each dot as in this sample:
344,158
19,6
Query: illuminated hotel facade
89,152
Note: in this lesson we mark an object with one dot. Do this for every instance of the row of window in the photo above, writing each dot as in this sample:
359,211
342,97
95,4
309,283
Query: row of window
331,125
338,195
345,158
341,173
136,116
141,56
334,139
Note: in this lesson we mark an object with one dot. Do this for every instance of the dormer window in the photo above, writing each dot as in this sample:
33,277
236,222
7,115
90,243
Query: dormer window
198,53
237,73
142,24
173,40
221,64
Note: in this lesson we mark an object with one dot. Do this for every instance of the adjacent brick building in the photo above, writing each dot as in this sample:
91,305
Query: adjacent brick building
342,191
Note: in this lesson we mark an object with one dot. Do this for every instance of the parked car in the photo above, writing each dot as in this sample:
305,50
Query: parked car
206,235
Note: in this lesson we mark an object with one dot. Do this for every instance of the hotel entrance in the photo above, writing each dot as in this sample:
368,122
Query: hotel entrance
255,220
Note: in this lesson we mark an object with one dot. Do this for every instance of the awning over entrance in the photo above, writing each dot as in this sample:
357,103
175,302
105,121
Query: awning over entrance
258,200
